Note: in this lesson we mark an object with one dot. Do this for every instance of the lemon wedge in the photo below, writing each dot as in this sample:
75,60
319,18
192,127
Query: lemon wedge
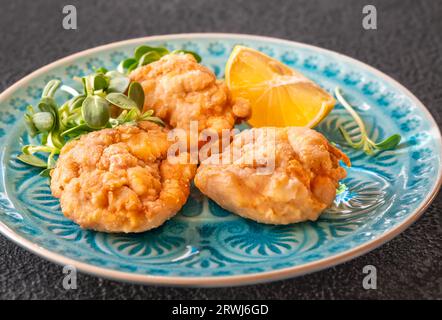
279,96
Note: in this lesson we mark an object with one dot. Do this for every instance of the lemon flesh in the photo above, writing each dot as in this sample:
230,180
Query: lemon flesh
279,96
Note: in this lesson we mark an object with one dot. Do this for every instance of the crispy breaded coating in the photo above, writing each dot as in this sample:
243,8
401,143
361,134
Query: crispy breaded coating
119,180
181,90
302,184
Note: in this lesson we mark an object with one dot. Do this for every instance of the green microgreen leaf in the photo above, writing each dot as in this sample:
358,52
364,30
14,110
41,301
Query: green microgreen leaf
125,64
148,57
148,113
389,143
72,118
132,67
51,161
32,160
45,173
101,70
30,126
364,143
50,88
48,104
132,115
194,54
121,101
76,102
55,140
75,130
31,149
136,93
117,82
143,49
43,121
100,82
95,112
44,138
88,84
155,120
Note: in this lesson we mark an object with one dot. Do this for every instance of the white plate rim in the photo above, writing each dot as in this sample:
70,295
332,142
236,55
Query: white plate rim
223,281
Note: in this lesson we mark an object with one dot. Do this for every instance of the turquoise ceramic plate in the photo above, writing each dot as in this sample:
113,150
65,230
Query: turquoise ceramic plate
205,245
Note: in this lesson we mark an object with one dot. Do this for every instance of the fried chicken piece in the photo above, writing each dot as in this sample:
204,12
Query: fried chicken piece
181,90
302,181
119,180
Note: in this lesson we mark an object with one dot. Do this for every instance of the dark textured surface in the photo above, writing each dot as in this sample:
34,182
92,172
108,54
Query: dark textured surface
407,45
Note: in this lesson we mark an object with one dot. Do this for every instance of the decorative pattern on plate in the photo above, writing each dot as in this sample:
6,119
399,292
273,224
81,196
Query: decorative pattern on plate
205,240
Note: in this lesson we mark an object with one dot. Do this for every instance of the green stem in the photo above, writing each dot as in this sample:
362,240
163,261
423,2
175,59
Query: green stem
352,112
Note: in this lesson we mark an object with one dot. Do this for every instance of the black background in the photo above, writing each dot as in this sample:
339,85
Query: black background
407,45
